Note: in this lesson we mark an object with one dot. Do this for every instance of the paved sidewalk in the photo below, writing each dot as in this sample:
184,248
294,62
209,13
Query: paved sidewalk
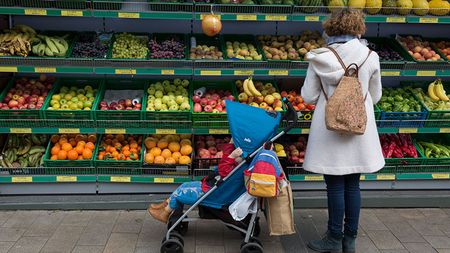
382,230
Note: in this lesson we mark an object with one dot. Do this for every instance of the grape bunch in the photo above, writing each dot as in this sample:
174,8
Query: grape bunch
128,46
90,46
170,48
385,52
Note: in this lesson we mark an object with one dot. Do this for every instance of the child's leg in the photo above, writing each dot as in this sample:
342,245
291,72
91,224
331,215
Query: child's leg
187,193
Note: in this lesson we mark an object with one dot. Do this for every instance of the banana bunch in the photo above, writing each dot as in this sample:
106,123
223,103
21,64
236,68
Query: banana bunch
50,46
23,151
250,89
436,91
17,41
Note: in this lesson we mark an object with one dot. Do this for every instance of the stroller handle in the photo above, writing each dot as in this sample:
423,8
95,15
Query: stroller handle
290,116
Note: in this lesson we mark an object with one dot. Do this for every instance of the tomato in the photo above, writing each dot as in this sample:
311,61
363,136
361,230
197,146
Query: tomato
311,107
301,107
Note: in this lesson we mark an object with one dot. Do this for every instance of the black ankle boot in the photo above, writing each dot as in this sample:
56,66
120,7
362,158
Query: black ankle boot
348,244
328,244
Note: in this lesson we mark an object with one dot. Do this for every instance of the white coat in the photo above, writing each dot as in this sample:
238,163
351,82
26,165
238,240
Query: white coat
328,152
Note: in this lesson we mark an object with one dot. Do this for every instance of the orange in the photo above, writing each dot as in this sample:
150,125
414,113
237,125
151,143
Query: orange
133,144
184,160
150,142
126,153
66,146
90,146
174,146
162,144
79,149
149,158
62,140
81,143
54,157
54,138
159,160
186,150
80,157
176,156
87,153
121,157
185,142
55,150
62,155
166,153
72,155
170,160
115,154
101,156
155,151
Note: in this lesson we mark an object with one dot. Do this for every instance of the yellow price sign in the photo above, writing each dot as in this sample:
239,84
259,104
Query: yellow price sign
275,72
168,72
390,73
426,73
164,180
362,177
396,19
441,176
125,71
312,18
8,69
128,15
444,130
69,130
244,17
22,179
68,13
115,131
35,12
407,130
314,178
66,178
20,130
121,179
218,131
165,131
44,70
210,72
428,20
386,177
305,131
276,17
243,72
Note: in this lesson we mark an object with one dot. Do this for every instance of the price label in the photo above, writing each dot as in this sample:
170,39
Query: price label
276,17
362,177
115,131
426,73
128,15
121,179
243,72
428,20
390,73
166,131
66,179
44,70
168,72
202,16
8,69
72,13
312,18
125,72
210,72
20,130
164,180
278,72
440,176
246,17
69,130
305,131
396,19
314,178
35,12
22,179
386,177
444,130
407,130
218,131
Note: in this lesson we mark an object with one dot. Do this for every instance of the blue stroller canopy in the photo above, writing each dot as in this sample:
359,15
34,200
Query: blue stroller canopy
250,127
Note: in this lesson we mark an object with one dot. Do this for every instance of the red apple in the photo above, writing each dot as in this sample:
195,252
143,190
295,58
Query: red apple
200,144
208,108
212,103
212,150
294,159
294,152
128,103
197,107
196,99
204,101
13,103
121,102
103,104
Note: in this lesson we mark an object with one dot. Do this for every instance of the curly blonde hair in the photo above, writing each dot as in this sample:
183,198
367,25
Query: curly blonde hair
345,22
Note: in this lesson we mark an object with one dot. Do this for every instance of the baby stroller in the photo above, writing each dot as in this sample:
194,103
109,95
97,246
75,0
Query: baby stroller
250,128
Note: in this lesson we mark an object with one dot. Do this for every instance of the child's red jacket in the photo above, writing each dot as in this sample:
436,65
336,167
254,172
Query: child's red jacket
226,165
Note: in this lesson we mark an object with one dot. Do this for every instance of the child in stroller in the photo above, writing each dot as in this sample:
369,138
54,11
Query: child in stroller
188,193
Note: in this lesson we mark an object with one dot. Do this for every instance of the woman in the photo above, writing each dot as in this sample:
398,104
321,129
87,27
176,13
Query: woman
341,158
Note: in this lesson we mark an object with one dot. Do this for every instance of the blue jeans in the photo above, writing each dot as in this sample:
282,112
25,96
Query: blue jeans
187,193
344,197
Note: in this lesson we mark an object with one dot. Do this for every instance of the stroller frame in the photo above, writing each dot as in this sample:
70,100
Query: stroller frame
249,241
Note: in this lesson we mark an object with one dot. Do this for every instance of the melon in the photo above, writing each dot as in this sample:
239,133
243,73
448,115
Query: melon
404,6
421,7
373,6
439,7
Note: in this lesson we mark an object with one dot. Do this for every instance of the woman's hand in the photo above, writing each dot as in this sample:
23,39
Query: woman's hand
236,153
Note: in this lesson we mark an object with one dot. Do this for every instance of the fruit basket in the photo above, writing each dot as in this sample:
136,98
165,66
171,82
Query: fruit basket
434,149
120,44
119,150
208,150
161,114
23,151
162,46
201,53
90,45
25,117
442,45
240,45
390,52
70,117
73,150
418,49
202,112
114,110
399,108
269,98
400,149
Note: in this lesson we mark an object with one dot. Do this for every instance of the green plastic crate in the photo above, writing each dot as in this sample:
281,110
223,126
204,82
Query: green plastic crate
407,161
261,46
115,119
440,139
107,4
74,115
113,163
163,36
211,120
394,46
248,39
406,55
433,43
377,112
202,39
140,35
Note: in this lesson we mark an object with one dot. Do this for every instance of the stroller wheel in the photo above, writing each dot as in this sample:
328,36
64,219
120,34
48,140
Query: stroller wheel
172,246
174,236
182,228
251,247
253,240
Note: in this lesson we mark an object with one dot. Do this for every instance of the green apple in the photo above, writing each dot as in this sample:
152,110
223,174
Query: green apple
185,106
56,97
87,103
158,101
159,94
83,98
89,94
158,106
63,101
164,107
87,108
64,89
172,102
91,99
88,88
68,97
151,97
79,96
54,102
173,107
73,106
170,94
173,87
56,106
69,103
81,91
80,105
179,99
165,99
177,81
65,107
74,99
166,83
185,83
73,93
151,91
177,93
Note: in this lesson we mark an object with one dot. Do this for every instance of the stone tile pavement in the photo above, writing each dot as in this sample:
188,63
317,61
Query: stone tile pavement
382,231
